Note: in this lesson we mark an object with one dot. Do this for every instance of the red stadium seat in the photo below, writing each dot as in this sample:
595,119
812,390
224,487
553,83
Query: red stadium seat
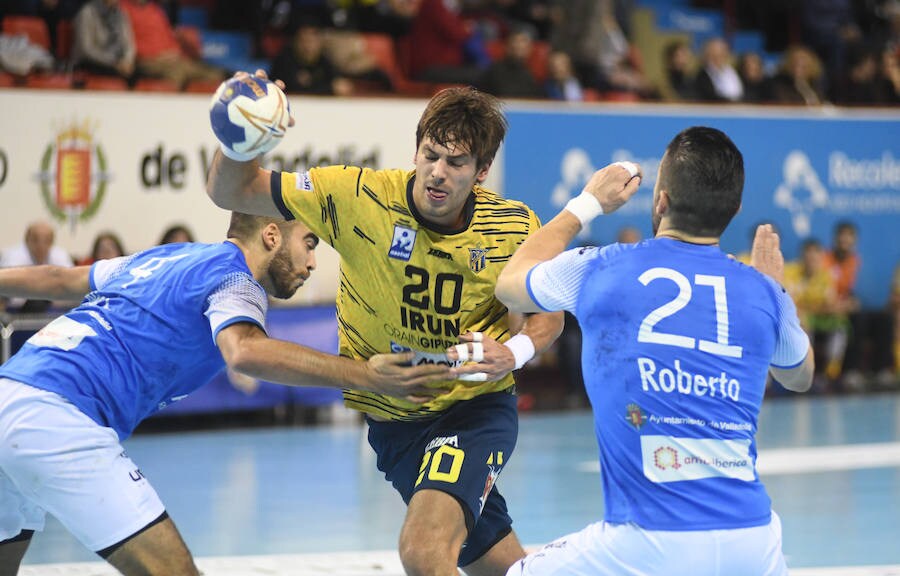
202,87
190,41
389,57
64,40
32,26
155,85
105,83
49,81
537,60
271,44
7,80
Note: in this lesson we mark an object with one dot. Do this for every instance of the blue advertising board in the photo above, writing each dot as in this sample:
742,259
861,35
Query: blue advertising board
805,172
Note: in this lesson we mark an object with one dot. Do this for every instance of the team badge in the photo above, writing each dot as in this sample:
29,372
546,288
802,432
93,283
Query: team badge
635,416
73,174
402,243
477,258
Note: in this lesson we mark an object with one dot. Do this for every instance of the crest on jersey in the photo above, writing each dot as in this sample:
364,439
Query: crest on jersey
73,174
477,258
402,243
493,473
635,416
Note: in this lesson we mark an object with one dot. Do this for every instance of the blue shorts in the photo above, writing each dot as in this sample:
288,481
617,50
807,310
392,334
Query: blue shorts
461,453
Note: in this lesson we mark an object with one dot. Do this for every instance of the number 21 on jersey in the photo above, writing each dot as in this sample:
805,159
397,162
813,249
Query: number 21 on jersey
720,345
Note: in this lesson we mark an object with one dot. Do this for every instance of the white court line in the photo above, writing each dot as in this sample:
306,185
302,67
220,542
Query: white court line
814,459
378,563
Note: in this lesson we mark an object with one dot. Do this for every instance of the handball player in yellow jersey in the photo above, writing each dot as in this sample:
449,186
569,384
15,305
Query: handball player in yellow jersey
420,252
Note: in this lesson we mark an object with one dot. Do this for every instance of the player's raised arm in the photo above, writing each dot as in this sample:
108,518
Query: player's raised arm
45,282
606,191
766,257
249,116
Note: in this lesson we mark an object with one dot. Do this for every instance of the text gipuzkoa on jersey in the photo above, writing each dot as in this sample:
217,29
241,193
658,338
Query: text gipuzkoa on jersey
669,379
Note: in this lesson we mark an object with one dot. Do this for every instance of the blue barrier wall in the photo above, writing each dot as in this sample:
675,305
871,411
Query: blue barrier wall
804,172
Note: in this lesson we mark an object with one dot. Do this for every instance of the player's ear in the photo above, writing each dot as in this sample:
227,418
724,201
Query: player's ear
662,202
482,174
271,236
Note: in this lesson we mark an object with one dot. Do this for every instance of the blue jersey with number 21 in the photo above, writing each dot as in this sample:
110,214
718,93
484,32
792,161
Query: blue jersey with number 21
677,342
145,336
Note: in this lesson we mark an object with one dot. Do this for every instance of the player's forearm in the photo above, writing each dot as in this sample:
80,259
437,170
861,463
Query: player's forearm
543,329
45,282
797,379
240,186
546,243
294,365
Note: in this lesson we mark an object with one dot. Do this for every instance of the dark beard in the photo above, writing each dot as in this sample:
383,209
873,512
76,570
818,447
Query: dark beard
281,275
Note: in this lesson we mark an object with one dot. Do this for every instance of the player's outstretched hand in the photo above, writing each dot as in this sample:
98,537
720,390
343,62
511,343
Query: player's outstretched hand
613,185
766,254
483,359
392,375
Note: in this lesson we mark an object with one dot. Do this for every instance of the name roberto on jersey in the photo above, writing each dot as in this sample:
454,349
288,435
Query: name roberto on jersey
668,379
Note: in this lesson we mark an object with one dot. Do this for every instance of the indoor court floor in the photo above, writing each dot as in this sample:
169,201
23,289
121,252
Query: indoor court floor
309,501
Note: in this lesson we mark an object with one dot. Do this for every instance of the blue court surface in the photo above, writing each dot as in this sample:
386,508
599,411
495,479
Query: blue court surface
305,501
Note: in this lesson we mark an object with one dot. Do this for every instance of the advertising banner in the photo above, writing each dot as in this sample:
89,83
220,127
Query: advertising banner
805,172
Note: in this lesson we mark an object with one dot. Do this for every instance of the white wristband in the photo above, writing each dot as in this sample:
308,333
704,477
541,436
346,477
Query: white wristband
522,349
236,156
585,207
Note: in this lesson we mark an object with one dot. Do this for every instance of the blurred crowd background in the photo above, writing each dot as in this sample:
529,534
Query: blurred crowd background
798,52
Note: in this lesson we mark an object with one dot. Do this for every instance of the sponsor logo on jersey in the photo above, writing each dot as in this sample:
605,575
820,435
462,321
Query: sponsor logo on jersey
424,357
439,254
402,243
671,459
73,174
441,440
635,416
304,182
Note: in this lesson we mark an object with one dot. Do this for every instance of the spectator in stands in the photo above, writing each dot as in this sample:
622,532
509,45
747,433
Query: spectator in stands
176,233
106,245
52,12
678,62
305,68
757,85
510,77
349,53
829,27
888,79
860,84
717,80
159,54
799,80
562,83
868,353
443,47
393,17
37,249
822,313
102,40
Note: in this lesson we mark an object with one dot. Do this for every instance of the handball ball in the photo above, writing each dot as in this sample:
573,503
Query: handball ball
249,116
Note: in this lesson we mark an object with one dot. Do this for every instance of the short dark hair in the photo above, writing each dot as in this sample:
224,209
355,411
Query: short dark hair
243,226
463,116
703,173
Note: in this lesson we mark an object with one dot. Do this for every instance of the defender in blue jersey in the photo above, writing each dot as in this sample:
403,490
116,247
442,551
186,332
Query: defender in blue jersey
678,341
153,327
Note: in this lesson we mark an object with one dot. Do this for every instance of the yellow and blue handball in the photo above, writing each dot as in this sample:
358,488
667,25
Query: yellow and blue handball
249,116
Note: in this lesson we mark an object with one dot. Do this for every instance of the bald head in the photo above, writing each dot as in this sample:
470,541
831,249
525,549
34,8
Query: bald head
39,238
